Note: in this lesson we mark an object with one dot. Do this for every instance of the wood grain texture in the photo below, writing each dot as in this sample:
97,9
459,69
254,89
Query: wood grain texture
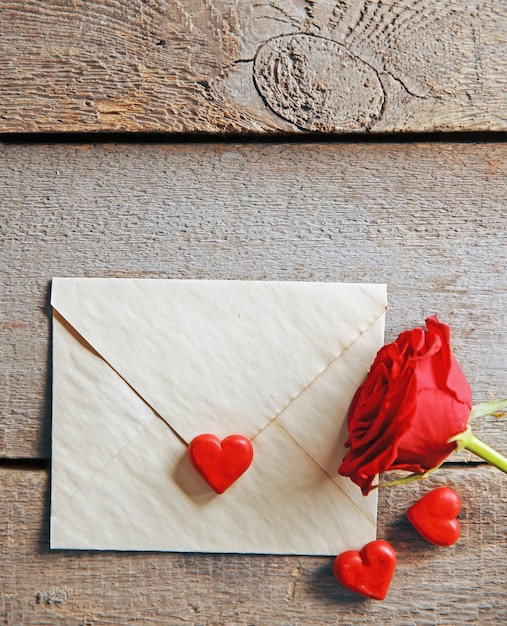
428,220
464,584
225,66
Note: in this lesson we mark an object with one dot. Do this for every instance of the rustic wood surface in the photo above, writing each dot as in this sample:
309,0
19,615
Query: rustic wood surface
464,584
427,219
225,66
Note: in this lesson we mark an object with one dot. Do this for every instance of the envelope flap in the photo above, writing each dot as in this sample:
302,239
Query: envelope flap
217,356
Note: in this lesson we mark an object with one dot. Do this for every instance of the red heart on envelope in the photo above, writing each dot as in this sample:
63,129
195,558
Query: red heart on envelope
220,463
368,571
434,516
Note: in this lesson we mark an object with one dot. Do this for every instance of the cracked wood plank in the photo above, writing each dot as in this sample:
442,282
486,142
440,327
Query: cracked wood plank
430,583
427,219
225,66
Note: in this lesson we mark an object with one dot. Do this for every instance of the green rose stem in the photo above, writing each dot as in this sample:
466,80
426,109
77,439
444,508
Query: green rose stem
470,442
473,444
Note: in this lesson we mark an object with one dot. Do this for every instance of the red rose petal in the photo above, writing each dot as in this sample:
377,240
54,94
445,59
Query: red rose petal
368,571
220,463
434,516
414,401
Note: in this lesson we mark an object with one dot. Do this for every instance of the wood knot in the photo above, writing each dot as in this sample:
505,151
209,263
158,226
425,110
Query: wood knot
317,84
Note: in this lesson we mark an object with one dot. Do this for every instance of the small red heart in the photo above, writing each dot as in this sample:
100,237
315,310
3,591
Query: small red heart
368,571
220,463
434,516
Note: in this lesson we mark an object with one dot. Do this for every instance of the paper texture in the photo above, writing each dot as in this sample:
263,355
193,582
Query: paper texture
141,367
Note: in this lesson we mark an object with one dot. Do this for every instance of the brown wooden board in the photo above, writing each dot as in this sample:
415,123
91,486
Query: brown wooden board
463,584
224,66
427,219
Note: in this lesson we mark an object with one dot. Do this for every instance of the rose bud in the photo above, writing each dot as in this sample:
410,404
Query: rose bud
413,410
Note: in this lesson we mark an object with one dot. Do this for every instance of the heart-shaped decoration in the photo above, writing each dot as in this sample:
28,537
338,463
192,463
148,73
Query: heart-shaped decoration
220,463
434,516
368,571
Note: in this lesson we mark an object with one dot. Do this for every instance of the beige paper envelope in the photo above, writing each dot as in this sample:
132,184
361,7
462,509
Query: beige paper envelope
141,367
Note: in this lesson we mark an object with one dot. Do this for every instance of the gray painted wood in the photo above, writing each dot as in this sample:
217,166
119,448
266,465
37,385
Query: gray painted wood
427,219
220,66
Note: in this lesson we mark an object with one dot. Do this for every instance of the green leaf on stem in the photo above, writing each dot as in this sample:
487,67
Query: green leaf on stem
496,408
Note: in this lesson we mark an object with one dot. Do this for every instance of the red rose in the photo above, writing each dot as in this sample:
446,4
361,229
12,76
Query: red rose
413,401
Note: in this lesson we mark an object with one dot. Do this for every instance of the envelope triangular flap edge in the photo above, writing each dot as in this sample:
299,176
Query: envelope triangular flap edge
220,356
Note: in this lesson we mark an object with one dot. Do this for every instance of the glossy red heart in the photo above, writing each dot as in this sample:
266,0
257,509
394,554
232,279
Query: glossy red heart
220,463
368,571
434,516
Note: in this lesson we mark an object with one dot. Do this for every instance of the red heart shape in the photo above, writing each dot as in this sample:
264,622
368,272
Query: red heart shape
434,516
220,463
368,571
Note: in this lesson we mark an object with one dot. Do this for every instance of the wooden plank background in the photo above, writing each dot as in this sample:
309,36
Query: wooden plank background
225,66
428,220
426,217
464,584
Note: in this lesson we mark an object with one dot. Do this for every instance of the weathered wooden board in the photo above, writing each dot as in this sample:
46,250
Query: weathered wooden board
464,584
220,66
428,220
